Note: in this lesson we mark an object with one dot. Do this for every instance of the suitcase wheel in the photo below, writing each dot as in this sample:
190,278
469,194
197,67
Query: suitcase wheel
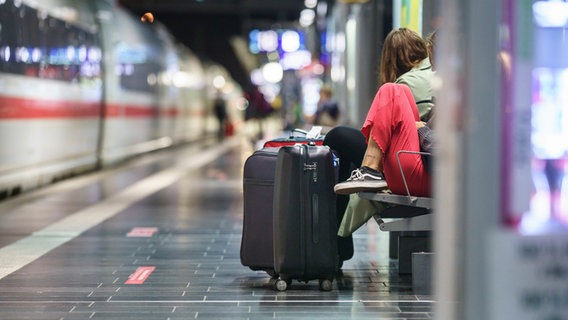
325,285
280,285
272,282
272,273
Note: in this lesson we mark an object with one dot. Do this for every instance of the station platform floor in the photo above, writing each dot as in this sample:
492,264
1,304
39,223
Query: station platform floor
159,237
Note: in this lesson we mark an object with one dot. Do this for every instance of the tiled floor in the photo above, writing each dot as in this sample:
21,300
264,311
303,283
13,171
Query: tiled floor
183,260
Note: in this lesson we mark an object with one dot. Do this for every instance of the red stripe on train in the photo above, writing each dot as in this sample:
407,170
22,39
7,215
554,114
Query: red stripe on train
21,108
121,110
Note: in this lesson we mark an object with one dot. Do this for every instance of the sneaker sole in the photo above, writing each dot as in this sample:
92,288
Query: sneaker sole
361,186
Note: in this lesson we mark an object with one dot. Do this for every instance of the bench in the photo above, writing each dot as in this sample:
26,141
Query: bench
410,221
409,214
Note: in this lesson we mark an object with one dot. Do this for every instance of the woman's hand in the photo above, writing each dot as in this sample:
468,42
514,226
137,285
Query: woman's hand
420,124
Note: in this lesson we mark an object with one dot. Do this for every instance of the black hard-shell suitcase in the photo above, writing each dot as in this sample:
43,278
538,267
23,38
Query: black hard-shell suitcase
345,244
305,220
258,185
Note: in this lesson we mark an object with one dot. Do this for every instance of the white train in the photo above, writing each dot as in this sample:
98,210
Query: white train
84,84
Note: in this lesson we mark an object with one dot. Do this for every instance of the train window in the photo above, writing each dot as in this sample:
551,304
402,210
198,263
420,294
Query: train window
137,68
137,76
37,45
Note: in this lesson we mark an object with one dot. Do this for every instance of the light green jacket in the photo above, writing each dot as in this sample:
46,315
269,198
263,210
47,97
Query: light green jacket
419,80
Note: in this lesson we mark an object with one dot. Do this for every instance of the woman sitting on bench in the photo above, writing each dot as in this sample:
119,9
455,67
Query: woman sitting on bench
394,126
391,125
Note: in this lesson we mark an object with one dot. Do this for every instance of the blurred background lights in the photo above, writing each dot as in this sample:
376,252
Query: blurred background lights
22,54
6,53
273,56
219,82
242,103
275,42
268,40
307,17
296,60
152,79
322,9
550,13
272,72
256,77
310,3
182,79
36,55
318,69
83,54
290,41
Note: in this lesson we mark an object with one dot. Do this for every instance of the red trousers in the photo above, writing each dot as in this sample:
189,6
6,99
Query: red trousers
391,123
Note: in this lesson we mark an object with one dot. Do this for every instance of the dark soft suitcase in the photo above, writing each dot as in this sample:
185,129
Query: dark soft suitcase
258,185
305,220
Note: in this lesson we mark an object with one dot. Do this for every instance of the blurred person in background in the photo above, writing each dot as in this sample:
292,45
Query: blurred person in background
327,113
220,111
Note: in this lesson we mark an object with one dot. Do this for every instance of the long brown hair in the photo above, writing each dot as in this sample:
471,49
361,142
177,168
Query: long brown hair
403,49
431,46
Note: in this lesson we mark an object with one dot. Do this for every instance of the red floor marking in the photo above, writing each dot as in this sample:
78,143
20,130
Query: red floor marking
140,275
142,232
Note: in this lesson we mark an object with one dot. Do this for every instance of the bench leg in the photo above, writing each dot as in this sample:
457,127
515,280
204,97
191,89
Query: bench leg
407,244
393,244
422,272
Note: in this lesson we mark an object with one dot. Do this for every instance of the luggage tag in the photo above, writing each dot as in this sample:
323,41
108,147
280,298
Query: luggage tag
314,132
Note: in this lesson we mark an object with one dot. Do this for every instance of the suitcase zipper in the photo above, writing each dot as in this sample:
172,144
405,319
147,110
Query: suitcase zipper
303,188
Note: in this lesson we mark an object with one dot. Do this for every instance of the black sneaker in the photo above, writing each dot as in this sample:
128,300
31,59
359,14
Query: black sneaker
362,179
